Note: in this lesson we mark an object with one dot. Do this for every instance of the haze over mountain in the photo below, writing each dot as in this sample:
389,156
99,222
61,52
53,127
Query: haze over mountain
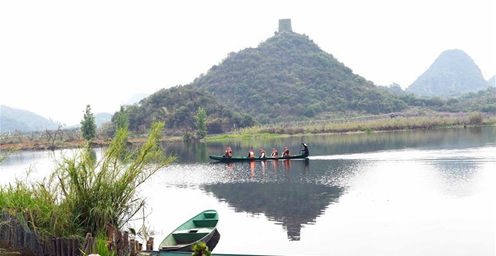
12,119
492,81
453,73
286,78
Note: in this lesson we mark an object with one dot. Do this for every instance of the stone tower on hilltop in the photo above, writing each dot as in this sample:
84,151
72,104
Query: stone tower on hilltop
285,25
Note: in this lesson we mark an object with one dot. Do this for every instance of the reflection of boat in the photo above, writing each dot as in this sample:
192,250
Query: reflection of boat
200,228
246,159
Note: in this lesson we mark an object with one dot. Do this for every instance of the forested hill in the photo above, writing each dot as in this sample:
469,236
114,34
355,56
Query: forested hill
177,106
288,76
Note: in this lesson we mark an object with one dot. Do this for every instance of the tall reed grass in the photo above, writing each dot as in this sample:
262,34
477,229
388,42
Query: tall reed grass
84,194
363,125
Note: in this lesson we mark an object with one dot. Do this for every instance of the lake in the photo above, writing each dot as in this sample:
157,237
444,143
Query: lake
426,192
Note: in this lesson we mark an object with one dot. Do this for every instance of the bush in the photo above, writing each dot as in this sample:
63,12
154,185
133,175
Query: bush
475,118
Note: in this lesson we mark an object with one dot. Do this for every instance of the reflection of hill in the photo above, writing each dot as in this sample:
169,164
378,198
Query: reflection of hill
457,176
291,204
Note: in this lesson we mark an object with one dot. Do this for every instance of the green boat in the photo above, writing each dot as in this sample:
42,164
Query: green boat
200,228
246,159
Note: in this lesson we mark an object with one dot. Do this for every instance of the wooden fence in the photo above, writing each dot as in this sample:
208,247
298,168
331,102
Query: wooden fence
15,235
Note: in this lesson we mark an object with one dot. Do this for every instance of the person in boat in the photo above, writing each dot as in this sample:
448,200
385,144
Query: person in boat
286,152
263,155
228,153
305,149
274,153
251,154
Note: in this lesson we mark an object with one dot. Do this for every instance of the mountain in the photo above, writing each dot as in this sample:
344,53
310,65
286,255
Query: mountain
101,118
393,88
492,81
452,74
12,119
135,98
288,77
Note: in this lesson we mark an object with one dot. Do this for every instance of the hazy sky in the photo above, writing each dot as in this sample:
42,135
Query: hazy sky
58,56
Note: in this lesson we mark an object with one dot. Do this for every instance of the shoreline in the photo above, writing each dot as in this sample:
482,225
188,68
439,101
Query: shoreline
218,137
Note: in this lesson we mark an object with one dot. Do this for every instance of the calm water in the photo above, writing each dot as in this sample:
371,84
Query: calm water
405,193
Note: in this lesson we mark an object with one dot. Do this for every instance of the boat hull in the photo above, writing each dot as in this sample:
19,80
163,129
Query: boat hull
246,159
200,228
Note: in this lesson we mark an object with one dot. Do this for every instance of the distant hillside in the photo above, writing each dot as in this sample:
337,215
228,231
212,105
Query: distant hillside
289,77
101,118
12,119
484,101
394,88
492,81
135,98
452,74
177,107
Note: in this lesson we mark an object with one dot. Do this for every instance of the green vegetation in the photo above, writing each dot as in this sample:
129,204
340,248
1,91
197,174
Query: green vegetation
84,195
102,246
288,76
201,249
177,107
122,119
365,124
201,123
88,126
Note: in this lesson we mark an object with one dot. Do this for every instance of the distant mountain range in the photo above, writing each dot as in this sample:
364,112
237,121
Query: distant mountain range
289,78
12,119
452,74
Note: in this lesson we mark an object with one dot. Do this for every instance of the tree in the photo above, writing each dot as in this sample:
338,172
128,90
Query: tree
201,123
52,137
88,126
122,120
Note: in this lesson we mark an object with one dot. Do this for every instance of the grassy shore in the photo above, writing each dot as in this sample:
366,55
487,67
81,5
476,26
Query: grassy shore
365,125
356,125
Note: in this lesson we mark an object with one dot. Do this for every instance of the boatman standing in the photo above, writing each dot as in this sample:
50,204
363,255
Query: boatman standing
305,149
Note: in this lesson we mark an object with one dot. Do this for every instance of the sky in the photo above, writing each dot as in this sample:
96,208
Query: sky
56,57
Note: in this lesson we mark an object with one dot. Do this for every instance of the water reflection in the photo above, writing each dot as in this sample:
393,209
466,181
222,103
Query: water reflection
438,183
456,177
343,143
292,201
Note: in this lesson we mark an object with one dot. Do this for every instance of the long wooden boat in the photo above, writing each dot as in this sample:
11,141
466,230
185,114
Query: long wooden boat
246,159
200,228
